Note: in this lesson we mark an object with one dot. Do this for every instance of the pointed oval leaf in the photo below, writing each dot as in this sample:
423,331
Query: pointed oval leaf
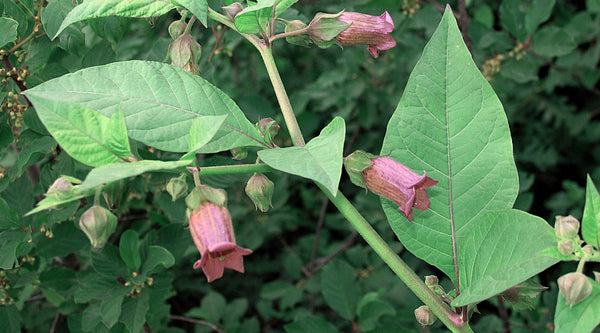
115,171
451,124
8,27
129,249
102,8
159,102
157,256
253,18
590,223
501,250
340,288
320,160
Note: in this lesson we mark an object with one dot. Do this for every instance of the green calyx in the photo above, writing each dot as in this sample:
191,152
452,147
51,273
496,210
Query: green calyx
204,193
355,164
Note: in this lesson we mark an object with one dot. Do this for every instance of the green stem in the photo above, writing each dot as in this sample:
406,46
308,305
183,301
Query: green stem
451,319
190,24
234,169
282,97
288,34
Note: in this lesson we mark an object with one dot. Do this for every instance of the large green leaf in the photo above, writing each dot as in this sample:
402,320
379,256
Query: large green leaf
451,124
115,171
583,317
197,7
159,102
320,160
102,8
87,135
8,27
503,249
590,223
133,312
10,319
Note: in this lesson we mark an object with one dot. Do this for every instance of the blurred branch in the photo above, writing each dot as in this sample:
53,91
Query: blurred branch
197,322
503,315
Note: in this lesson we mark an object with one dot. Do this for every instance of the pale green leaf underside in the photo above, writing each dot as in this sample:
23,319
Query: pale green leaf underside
159,102
320,160
203,129
590,223
90,9
115,171
84,133
583,317
502,250
451,124
8,27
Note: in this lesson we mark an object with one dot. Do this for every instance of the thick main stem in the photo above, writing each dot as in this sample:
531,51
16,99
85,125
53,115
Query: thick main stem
451,319
282,97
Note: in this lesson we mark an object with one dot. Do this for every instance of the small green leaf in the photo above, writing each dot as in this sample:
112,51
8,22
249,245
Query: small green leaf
103,8
552,41
503,249
320,160
115,171
203,129
133,312
590,223
110,308
129,249
8,217
370,309
340,288
117,140
8,27
310,324
157,257
197,7
10,319
108,263
283,5
583,317
10,241
538,12
253,19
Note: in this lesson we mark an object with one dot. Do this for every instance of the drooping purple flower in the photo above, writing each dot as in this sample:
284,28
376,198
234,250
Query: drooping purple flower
398,183
367,30
212,233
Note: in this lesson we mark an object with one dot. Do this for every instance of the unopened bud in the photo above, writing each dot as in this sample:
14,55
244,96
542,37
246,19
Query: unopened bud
575,287
431,280
424,316
177,187
113,193
232,10
268,128
566,227
185,53
239,153
302,39
176,29
60,189
98,224
588,250
566,248
260,190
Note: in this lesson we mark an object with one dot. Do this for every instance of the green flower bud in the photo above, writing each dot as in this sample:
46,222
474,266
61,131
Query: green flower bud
566,248
522,295
301,39
185,52
575,287
424,316
98,224
177,187
566,227
232,10
239,153
431,280
176,29
204,193
61,189
268,128
260,190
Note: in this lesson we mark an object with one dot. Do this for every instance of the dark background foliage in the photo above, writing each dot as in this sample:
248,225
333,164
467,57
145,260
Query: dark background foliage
303,249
